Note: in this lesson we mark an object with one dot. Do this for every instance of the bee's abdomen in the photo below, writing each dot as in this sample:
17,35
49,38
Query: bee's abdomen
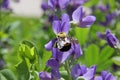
66,47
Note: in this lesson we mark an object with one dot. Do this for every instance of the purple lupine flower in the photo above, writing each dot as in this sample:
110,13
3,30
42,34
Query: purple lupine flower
58,58
104,8
59,27
78,18
64,43
55,74
58,4
54,62
112,40
45,6
82,72
5,4
105,76
109,19
44,76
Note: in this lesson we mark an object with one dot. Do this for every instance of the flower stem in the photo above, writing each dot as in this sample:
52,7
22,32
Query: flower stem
68,69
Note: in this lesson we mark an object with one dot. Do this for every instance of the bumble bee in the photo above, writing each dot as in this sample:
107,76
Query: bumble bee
63,42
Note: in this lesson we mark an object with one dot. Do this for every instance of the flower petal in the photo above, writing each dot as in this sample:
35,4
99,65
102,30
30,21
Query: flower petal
63,3
52,3
55,74
77,51
90,73
107,76
98,78
60,56
57,54
56,25
65,18
101,35
87,21
111,39
44,6
75,71
77,14
104,8
44,76
83,69
53,63
50,44
65,26
65,55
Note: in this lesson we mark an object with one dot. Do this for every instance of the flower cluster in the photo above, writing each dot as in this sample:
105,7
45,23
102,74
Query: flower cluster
109,16
80,73
66,48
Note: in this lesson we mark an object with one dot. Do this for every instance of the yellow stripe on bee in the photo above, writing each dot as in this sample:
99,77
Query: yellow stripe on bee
61,34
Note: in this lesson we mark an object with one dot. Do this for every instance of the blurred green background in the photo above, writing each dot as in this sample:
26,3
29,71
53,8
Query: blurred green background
15,29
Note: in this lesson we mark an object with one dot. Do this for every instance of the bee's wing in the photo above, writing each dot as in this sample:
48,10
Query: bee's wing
73,40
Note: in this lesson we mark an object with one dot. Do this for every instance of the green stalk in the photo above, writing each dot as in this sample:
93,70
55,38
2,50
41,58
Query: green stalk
68,69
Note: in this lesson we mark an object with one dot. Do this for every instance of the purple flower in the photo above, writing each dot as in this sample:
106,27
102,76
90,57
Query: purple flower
44,76
54,64
109,19
105,76
5,4
112,40
58,4
44,6
78,18
101,35
61,27
82,72
63,42
104,8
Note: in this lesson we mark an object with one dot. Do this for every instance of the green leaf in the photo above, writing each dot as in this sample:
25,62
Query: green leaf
28,50
105,54
2,77
91,2
112,4
34,76
46,56
104,65
28,43
23,70
116,60
92,54
8,74
81,34
64,74
14,25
